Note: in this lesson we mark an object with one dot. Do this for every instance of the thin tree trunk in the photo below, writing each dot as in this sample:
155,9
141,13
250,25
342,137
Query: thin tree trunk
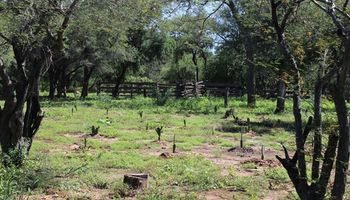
251,76
281,95
318,130
53,82
120,79
342,162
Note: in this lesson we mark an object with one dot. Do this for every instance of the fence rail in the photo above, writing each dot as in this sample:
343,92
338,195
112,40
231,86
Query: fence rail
180,90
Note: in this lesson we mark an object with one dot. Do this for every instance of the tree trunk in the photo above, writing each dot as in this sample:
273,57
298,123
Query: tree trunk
87,75
318,130
281,95
62,81
53,82
21,116
249,48
342,162
251,76
120,79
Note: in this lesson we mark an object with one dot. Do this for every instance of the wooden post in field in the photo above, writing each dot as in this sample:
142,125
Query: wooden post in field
144,92
248,124
157,88
241,142
131,91
174,144
262,152
227,93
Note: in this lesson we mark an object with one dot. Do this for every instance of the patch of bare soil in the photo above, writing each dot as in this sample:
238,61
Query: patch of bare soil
276,195
219,194
240,150
229,194
93,194
263,163
161,147
98,137
236,158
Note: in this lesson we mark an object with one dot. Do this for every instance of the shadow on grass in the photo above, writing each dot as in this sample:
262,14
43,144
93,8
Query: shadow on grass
263,127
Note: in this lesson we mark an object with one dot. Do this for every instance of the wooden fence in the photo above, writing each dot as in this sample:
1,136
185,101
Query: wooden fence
180,90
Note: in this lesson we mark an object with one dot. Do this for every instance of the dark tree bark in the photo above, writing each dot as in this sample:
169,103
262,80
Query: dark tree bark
59,65
87,75
120,77
281,94
249,50
296,167
338,93
21,116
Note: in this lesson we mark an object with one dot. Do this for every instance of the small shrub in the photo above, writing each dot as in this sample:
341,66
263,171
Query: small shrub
278,174
15,181
162,99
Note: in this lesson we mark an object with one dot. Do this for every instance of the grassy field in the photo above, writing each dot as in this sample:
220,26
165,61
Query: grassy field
61,166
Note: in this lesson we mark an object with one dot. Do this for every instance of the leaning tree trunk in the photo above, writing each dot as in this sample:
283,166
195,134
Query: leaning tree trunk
119,80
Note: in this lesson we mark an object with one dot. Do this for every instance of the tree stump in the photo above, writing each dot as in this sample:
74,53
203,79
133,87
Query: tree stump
136,181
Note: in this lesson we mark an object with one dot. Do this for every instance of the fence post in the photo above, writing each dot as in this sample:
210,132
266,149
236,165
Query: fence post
157,88
196,89
144,92
131,91
227,93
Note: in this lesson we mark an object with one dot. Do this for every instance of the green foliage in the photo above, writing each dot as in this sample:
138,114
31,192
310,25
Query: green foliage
278,175
14,181
163,98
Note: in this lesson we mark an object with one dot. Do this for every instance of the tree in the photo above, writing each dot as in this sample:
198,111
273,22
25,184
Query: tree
21,116
57,72
339,137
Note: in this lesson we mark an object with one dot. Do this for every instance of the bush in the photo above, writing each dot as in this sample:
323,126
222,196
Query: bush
162,99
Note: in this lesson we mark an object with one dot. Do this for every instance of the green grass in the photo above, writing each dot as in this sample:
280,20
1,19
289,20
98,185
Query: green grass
125,145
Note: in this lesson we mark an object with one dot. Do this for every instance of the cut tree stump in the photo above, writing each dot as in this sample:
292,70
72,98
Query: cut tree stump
136,181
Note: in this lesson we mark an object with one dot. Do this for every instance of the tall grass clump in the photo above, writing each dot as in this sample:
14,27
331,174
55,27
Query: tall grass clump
15,181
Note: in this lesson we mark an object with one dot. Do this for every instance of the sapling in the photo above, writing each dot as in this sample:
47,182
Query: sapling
241,142
94,130
262,152
141,114
174,144
228,113
85,142
159,131
248,124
